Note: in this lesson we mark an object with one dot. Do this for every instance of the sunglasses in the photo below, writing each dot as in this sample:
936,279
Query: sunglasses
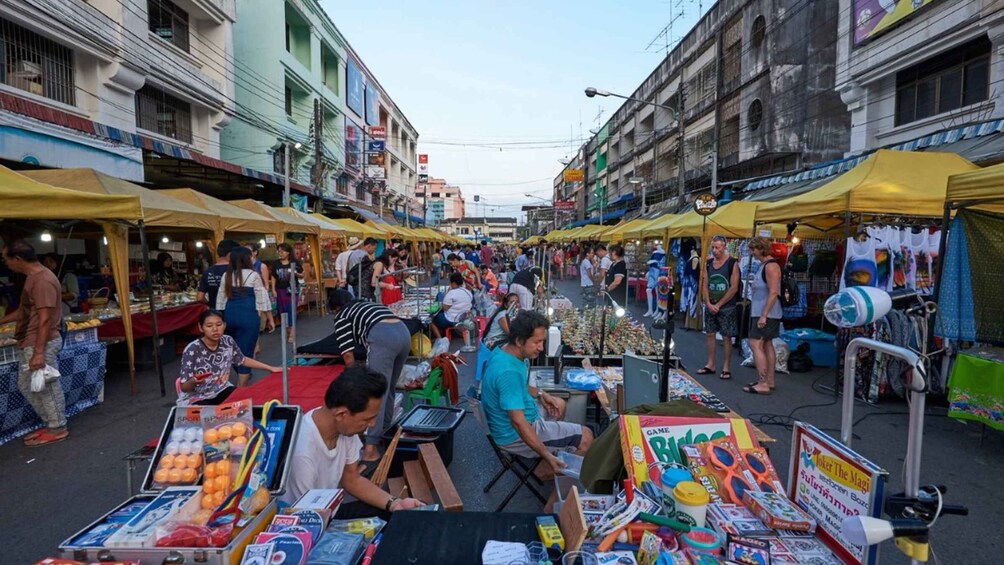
733,484
761,470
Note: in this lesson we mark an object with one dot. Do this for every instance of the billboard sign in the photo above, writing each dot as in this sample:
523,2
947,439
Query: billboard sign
423,159
376,159
873,17
375,172
424,169
423,178
376,146
354,88
575,175
372,105
564,205
377,132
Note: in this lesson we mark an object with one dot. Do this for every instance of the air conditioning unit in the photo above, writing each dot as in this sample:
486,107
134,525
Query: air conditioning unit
28,69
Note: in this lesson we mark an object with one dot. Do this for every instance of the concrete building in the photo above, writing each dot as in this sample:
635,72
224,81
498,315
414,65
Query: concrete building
99,84
570,191
751,88
443,201
479,228
907,72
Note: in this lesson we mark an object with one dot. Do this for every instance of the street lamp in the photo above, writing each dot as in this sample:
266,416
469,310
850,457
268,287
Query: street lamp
644,188
593,92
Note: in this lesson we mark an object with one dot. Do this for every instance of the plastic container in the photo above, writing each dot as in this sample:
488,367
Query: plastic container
703,540
822,346
671,477
691,503
573,464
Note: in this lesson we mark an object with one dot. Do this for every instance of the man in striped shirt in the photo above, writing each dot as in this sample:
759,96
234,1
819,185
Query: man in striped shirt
387,342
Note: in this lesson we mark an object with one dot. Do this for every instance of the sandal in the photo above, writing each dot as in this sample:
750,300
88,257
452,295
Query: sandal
726,375
705,370
47,436
751,389
754,383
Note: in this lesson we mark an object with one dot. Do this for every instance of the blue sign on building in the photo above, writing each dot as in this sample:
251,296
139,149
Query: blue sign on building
377,146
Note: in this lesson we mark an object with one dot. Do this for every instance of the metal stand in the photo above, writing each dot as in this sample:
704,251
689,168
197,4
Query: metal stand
285,365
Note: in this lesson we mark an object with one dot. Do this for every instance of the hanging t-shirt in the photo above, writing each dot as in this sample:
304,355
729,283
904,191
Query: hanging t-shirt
923,281
902,259
859,267
933,252
885,239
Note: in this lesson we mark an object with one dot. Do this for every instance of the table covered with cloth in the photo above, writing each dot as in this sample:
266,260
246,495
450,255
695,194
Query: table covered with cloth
976,390
82,370
184,318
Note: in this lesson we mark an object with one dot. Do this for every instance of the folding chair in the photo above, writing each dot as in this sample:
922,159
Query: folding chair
521,467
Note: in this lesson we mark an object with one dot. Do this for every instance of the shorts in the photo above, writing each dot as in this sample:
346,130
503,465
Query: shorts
724,322
770,331
558,436
442,322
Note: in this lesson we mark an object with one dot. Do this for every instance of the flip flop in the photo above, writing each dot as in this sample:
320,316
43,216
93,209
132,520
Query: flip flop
754,383
726,375
705,371
752,390
45,437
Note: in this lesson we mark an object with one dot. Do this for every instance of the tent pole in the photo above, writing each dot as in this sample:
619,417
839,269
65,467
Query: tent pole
153,309
942,247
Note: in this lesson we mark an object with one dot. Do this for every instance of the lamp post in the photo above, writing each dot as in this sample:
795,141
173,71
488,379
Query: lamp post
285,170
593,92
618,311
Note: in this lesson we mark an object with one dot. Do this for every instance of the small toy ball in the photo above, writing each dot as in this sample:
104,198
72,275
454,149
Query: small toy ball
166,461
194,461
172,447
207,502
221,483
177,435
197,446
223,468
174,476
224,432
211,436
180,461
208,486
622,537
238,444
210,470
218,497
192,434
239,429
160,476
184,448
188,475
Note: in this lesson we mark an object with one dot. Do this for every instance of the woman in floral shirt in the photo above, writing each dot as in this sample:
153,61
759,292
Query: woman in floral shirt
207,362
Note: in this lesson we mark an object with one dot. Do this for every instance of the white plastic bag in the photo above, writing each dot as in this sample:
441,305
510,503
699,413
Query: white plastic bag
781,351
42,376
442,345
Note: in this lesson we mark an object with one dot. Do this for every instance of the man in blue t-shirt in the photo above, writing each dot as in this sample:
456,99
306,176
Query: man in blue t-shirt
511,405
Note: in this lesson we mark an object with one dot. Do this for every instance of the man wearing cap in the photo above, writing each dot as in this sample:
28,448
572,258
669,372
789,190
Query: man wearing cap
342,262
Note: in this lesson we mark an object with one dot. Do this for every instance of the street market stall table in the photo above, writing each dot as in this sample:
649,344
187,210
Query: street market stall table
176,318
449,538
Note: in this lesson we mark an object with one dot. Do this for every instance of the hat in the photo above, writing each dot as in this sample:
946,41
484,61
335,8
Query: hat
354,242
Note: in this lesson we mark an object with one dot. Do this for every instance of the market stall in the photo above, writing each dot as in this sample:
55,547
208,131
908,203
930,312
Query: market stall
82,362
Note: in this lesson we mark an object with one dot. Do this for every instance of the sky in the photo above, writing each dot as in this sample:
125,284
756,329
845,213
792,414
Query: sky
495,88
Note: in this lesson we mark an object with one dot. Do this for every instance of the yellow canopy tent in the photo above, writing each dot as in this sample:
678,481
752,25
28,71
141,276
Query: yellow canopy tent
432,234
290,224
734,219
982,188
618,232
353,227
888,183
233,219
159,211
326,227
655,227
24,198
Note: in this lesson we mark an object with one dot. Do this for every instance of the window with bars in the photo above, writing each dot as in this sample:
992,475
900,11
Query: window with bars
36,64
701,86
956,78
159,112
168,22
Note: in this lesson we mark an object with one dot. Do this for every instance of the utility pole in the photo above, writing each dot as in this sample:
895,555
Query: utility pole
285,174
681,148
318,171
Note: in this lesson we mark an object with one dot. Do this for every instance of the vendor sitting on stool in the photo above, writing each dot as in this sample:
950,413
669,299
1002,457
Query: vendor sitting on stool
511,405
457,302
328,446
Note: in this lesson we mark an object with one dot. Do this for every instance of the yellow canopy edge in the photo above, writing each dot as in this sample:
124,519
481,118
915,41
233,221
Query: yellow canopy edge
27,198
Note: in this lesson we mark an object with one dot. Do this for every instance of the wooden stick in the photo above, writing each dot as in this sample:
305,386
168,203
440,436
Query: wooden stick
380,475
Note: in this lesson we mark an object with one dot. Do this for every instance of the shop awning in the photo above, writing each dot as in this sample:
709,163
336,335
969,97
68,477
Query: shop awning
290,223
355,228
618,232
654,228
328,229
22,197
899,183
159,210
413,219
234,219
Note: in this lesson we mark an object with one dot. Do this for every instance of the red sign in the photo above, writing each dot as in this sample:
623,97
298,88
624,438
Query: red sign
378,132
564,205
423,159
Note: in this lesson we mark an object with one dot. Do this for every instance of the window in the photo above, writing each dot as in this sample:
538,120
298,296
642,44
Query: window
288,101
169,22
36,64
758,32
159,112
959,77
755,114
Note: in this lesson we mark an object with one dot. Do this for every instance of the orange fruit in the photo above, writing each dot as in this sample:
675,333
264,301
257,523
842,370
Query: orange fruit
239,429
207,502
160,476
174,476
211,436
188,475
194,461
224,432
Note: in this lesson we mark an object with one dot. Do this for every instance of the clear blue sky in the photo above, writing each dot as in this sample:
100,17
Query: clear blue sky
495,72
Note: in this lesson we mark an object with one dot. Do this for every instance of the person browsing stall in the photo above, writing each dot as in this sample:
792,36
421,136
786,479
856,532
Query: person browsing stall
206,363
617,273
165,274
326,455
38,318
69,284
472,280
526,284
457,302
511,405
490,280
498,325
524,261
720,292
243,299
342,261
209,284
587,277
766,313
387,342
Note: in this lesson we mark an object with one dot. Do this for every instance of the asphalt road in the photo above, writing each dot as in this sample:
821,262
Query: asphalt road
49,493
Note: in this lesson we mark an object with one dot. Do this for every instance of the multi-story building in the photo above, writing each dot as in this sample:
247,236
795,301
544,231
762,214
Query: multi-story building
908,70
442,201
570,191
749,91
478,229
98,84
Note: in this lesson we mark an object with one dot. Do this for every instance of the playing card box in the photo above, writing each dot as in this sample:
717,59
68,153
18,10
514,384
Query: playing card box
776,511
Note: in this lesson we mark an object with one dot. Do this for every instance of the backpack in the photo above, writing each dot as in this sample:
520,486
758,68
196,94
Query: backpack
789,293
353,275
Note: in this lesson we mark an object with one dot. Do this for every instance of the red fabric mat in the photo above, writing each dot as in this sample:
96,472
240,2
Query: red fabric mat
184,318
307,386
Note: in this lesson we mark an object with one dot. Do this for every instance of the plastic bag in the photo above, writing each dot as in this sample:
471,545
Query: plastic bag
182,534
442,345
42,376
368,527
781,352
413,372
583,379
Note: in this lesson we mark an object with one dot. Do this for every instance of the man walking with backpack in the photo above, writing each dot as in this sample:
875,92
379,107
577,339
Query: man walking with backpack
360,265
720,293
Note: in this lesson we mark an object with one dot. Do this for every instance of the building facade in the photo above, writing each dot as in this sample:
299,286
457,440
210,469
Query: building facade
481,228
442,201
749,91
906,72
94,84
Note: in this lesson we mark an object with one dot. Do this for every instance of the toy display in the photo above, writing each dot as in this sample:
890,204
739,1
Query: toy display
581,332
778,512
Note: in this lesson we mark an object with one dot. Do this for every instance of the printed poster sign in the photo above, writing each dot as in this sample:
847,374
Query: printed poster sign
376,146
872,17
354,88
423,158
574,175
831,483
